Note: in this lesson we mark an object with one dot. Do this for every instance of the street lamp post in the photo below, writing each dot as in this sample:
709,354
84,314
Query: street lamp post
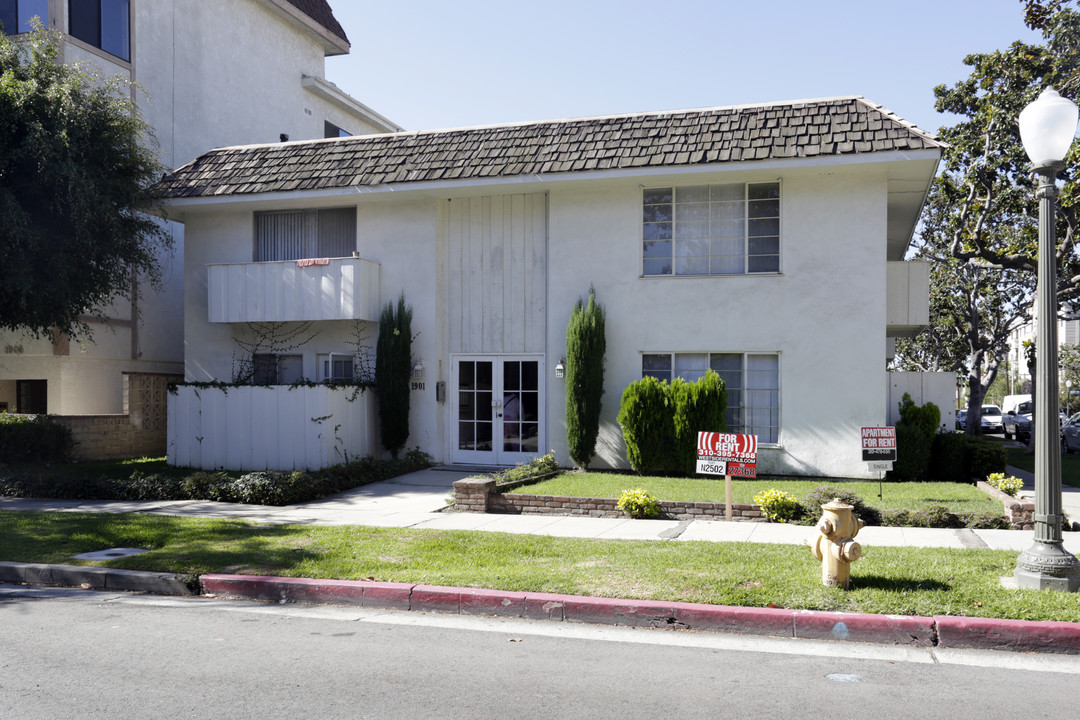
1047,128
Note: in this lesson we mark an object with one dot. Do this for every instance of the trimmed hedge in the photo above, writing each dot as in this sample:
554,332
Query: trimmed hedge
257,488
660,422
34,438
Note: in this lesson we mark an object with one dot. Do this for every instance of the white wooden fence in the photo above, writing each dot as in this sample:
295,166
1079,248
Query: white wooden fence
269,428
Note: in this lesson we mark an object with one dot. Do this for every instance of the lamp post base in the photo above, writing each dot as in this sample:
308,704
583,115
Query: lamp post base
1047,566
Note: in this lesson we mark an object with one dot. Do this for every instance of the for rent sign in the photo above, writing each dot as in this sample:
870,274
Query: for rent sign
727,454
878,444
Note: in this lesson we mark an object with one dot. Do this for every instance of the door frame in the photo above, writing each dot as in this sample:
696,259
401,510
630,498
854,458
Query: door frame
497,457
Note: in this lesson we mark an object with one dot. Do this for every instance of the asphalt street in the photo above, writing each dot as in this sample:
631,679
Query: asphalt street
77,653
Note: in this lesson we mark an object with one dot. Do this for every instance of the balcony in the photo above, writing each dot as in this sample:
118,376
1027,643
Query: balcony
908,292
341,289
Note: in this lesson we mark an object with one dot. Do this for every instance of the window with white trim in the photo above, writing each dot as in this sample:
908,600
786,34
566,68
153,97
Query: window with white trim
752,381
723,229
333,366
299,234
15,15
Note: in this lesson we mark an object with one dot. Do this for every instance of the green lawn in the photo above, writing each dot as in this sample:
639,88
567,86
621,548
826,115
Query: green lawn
911,496
886,580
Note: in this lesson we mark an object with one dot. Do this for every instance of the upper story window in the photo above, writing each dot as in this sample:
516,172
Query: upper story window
729,229
299,234
105,24
330,130
15,15
752,381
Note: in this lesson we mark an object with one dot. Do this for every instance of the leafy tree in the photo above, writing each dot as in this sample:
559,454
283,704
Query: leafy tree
393,368
585,347
75,165
982,206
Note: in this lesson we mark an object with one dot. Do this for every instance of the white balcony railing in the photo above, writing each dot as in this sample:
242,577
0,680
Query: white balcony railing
908,292
342,289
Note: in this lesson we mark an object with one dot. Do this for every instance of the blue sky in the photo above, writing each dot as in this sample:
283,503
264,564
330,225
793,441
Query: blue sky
429,64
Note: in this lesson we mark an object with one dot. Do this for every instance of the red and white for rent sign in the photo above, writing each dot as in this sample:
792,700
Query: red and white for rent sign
727,454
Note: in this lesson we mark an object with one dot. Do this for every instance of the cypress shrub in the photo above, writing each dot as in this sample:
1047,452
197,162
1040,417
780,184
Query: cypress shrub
647,425
698,407
585,347
393,367
912,454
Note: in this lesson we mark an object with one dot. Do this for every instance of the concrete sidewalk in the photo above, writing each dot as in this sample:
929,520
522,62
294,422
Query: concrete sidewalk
417,500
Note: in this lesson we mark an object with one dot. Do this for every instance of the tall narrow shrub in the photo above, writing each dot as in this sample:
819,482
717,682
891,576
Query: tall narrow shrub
393,367
698,407
585,347
646,419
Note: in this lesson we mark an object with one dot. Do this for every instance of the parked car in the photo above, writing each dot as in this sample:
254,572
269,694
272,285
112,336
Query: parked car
991,419
1018,423
1070,434
961,417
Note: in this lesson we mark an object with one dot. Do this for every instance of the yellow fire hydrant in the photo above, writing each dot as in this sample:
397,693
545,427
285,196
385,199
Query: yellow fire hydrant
834,545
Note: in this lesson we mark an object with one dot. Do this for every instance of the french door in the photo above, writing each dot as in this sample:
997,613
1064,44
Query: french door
498,408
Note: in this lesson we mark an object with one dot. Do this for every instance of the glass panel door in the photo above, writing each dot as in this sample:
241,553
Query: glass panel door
498,412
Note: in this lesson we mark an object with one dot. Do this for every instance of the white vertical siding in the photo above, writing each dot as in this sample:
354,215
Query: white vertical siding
496,264
269,428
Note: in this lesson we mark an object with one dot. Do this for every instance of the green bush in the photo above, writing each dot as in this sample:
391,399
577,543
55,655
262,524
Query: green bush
660,422
812,502
949,458
912,454
393,369
638,504
34,438
648,428
536,469
258,488
925,417
986,457
698,407
585,348
778,505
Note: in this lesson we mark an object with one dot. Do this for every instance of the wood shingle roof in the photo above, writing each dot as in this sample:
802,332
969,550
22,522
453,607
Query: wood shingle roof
803,129
320,12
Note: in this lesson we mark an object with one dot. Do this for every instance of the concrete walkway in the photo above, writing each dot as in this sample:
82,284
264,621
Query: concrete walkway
417,500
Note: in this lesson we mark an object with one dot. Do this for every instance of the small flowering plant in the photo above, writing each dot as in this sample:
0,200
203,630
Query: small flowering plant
639,503
778,505
1008,485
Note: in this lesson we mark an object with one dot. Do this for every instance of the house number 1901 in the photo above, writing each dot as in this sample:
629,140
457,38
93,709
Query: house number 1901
418,386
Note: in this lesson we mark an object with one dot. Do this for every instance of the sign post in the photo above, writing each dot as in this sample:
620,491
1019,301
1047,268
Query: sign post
727,454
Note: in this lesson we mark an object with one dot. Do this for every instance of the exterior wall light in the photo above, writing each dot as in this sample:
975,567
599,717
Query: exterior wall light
1047,129
560,368
418,371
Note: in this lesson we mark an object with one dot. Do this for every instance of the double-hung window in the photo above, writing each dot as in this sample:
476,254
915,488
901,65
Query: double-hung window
273,369
299,234
752,381
105,24
15,15
725,229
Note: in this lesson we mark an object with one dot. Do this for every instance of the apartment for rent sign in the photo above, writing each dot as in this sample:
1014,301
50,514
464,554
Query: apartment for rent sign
727,454
879,444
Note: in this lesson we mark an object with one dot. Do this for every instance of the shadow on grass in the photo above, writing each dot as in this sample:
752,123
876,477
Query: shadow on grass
898,585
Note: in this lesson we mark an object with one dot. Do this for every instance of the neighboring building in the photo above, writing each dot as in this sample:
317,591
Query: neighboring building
213,74
1068,333
765,242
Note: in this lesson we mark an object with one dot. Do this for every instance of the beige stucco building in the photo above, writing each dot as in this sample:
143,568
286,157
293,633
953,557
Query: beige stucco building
212,74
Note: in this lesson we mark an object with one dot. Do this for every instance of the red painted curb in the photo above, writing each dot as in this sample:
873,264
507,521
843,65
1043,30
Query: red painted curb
862,627
940,631
1015,635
